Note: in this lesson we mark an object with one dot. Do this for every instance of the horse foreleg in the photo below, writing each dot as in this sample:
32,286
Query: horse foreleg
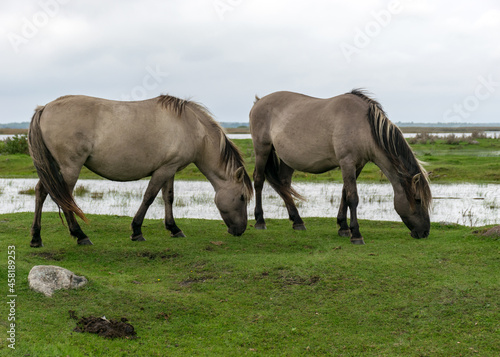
344,230
75,230
40,196
349,175
168,198
158,179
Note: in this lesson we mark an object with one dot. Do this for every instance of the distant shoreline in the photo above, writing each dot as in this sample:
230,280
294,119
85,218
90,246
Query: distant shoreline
9,131
447,129
406,129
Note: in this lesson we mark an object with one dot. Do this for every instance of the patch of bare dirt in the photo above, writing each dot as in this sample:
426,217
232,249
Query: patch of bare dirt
104,327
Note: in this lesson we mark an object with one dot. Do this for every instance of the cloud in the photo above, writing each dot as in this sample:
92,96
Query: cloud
427,52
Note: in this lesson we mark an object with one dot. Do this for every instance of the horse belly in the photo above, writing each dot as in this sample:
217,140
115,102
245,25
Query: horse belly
313,167
313,159
119,170
125,163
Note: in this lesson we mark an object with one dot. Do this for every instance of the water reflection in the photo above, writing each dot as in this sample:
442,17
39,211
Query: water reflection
466,204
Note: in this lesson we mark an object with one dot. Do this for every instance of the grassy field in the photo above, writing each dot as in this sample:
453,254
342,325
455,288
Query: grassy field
269,293
460,161
272,293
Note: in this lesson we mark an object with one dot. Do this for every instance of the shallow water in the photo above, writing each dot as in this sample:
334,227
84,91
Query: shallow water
465,204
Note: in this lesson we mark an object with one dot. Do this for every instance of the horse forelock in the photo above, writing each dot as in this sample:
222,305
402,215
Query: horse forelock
411,173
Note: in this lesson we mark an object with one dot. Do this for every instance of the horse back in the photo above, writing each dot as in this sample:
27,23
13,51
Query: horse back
117,140
312,134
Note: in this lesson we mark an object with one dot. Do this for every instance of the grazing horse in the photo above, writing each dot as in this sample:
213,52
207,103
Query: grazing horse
125,141
291,131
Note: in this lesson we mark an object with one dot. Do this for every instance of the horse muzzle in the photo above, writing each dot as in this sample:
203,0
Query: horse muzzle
419,234
236,231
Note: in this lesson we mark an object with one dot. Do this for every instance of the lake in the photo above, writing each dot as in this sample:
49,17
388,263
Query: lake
465,204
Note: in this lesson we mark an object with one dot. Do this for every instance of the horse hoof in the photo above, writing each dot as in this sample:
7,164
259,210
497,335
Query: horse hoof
357,241
138,238
179,234
344,232
36,244
299,227
260,226
84,241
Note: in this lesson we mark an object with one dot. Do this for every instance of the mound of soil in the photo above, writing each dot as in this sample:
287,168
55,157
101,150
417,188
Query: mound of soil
104,327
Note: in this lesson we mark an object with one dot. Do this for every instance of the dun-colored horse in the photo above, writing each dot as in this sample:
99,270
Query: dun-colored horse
291,131
126,141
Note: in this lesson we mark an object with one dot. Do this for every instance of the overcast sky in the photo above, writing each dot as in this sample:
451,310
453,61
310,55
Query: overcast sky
425,61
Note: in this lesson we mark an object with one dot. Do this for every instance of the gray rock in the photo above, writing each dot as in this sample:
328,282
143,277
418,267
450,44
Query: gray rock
492,232
48,278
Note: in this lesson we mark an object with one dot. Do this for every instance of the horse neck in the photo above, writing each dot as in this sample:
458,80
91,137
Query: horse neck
209,163
389,171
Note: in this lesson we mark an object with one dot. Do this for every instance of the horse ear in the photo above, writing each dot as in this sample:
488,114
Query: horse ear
239,174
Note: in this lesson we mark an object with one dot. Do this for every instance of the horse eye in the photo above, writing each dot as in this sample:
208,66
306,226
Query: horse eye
242,198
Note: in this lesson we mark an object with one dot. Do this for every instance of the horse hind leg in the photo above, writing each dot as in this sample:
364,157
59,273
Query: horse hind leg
40,196
286,192
259,177
168,198
74,228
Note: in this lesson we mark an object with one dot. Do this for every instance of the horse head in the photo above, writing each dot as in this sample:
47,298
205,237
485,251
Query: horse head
232,198
413,204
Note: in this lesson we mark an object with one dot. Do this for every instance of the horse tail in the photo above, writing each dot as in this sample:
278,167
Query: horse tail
272,171
391,140
48,168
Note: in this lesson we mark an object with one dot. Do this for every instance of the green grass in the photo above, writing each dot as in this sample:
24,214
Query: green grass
271,293
447,163
462,162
